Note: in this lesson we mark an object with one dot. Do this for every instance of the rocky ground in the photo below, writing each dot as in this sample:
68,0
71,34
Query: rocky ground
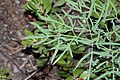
13,22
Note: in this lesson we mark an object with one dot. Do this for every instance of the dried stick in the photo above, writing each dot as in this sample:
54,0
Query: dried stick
11,60
31,75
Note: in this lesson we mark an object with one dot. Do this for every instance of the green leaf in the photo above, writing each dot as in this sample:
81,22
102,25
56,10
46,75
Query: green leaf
41,41
27,32
33,5
24,43
36,32
77,49
61,55
27,7
39,27
48,8
69,78
59,3
62,62
84,57
3,74
43,50
95,14
48,19
40,23
29,42
46,3
56,51
99,4
41,62
70,52
37,1
64,74
104,75
84,75
77,72
102,54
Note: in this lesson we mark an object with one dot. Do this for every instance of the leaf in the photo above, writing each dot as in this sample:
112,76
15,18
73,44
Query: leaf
36,32
83,58
69,78
27,32
103,54
33,5
70,52
99,4
51,41
46,3
39,27
62,62
103,75
29,42
59,3
40,23
56,51
41,62
101,64
41,41
35,37
37,1
60,57
3,74
84,75
48,9
24,43
43,50
78,49
95,14
77,72
64,74
27,7
48,19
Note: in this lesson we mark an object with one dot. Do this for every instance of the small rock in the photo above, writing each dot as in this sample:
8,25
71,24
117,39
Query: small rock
24,59
17,1
5,25
15,70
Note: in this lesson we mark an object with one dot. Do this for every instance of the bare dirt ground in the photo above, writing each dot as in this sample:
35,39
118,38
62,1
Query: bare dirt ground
12,25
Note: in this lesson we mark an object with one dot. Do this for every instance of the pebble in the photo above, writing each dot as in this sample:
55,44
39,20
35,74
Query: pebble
84,21
15,70
19,34
22,54
5,25
17,1
24,59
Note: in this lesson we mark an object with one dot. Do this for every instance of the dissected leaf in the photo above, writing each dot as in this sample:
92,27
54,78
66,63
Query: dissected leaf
33,5
37,1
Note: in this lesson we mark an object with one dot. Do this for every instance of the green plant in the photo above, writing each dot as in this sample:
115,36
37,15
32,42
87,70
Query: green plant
4,74
43,8
86,31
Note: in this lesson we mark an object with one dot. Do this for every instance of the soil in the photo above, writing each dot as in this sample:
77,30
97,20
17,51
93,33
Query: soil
13,22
